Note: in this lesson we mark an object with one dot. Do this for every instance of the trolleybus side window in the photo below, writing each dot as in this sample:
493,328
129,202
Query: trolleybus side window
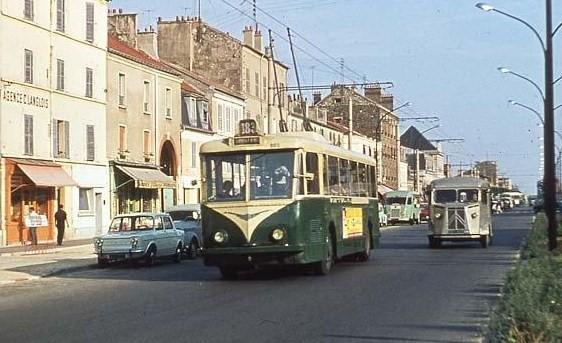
271,175
226,177
300,171
344,177
312,186
333,176
363,180
354,179
373,192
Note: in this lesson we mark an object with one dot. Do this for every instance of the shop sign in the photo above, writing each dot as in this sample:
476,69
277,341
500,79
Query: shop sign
22,97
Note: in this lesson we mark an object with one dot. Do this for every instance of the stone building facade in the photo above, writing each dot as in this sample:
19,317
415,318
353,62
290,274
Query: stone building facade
52,116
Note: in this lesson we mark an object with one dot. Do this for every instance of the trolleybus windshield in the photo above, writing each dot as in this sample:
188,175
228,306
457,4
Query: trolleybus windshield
271,175
226,176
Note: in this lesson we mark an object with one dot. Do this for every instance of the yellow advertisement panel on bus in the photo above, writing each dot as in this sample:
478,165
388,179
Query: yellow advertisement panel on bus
352,222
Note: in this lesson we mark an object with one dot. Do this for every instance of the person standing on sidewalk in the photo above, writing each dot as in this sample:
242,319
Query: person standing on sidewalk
60,222
34,220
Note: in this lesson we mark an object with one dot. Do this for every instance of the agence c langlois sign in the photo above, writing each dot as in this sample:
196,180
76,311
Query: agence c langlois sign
23,97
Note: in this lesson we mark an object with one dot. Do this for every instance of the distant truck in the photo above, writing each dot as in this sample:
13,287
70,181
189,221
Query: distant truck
402,206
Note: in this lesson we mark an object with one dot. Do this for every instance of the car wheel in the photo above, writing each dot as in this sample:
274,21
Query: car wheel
485,241
150,257
411,221
228,273
178,254
102,262
192,249
323,267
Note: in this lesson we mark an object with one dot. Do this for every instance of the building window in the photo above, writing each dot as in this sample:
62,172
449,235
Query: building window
89,83
220,118
60,15
168,103
248,86
28,63
193,155
61,139
60,75
90,143
85,196
28,10
257,85
90,22
121,89
28,134
264,95
122,138
146,143
146,97
293,125
236,117
192,112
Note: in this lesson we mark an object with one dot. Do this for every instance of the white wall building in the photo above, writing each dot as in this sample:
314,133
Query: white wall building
52,115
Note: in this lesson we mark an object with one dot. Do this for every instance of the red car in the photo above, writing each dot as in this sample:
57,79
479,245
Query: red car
424,212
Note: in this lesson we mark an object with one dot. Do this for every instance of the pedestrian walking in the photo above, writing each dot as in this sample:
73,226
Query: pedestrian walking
33,221
60,222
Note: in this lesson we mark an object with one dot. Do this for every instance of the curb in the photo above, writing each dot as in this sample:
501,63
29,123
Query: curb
43,251
52,273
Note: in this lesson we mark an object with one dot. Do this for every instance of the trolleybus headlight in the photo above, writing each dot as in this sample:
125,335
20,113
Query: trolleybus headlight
437,215
277,234
220,236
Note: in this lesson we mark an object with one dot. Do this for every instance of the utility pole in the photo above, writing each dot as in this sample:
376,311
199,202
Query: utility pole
282,122
350,109
306,122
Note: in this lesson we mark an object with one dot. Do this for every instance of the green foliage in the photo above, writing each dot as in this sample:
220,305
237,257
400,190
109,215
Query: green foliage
531,307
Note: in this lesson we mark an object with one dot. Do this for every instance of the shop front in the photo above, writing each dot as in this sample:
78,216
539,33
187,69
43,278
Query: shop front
32,184
139,188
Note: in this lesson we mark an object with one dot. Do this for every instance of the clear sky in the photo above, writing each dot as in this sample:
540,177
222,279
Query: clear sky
442,55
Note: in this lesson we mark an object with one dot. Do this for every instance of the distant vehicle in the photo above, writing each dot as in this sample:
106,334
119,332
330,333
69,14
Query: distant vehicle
383,218
285,199
496,207
402,206
188,219
514,198
460,211
144,236
424,212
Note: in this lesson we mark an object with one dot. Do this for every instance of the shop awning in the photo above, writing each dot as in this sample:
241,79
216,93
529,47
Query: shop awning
382,189
47,176
148,178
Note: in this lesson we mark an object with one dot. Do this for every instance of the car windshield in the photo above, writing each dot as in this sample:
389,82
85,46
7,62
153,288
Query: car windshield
271,175
184,215
396,200
226,177
132,223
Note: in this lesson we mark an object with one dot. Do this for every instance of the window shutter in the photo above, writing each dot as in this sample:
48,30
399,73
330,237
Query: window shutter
60,16
28,9
28,134
28,66
90,22
55,134
91,147
67,139
89,82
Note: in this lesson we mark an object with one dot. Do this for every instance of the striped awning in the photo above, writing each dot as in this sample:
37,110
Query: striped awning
47,176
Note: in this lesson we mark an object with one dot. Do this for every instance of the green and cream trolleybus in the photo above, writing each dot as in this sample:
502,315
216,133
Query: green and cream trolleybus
285,199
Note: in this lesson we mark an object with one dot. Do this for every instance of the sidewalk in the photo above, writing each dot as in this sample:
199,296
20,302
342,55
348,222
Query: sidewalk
22,263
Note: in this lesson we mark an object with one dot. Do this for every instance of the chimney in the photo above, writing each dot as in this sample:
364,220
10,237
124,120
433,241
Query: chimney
248,36
123,26
147,41
258,41
387,101
316,97
373,93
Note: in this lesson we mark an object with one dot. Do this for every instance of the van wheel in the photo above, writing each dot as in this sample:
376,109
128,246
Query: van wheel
192,249
485,241
434,243
228,273
323,267
102,262
178,254
365,255
411,221
150,257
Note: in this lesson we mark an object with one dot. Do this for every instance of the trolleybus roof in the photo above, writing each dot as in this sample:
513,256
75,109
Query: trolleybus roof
309,141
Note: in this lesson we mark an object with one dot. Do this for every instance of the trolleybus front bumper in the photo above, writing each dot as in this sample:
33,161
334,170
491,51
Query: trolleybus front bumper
253,255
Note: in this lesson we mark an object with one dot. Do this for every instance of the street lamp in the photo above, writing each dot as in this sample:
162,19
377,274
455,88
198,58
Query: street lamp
508,71
406,104
549,180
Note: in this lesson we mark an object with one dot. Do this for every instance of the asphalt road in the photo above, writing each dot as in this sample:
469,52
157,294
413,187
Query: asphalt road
405,293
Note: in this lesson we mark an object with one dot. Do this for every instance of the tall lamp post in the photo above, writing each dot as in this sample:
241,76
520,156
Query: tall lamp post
549,179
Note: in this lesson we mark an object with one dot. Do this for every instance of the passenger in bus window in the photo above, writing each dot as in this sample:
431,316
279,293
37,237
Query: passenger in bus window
281,180
227,189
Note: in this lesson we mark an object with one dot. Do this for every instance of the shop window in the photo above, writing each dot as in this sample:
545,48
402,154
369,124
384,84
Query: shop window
85,196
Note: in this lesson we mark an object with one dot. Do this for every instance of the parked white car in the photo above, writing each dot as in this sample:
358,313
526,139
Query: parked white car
188,219
135,236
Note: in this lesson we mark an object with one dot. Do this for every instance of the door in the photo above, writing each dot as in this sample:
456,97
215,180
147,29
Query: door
167,198
99,214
